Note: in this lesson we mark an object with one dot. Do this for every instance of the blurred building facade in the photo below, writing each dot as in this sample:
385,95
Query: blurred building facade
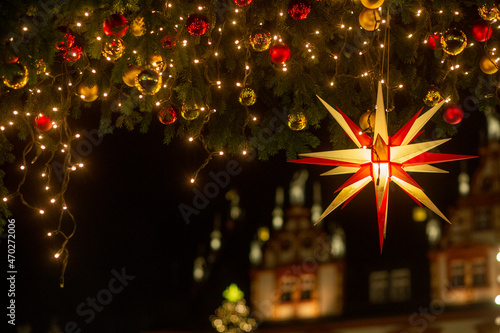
299,284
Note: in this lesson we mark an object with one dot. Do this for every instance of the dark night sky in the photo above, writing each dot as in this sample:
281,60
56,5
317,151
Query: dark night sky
126,201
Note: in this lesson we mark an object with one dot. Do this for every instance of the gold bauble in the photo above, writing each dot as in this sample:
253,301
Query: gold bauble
155,62
130,74
297,121
148,82
453,41
19,79
190,113
113,49
432,96
367,121
372,4
488,13
138,27
369,19
487,65
88,93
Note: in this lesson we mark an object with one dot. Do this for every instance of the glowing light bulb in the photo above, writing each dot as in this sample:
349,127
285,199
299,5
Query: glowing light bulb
192,180
42,211
49,234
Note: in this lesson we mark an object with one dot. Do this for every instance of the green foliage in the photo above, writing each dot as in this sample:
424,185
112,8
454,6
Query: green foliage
331,57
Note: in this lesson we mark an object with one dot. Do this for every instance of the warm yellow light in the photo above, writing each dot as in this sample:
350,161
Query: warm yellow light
42,211
5,199
57,255
192,180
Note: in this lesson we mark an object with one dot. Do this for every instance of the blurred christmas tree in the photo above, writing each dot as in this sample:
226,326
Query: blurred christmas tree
233,76
232,315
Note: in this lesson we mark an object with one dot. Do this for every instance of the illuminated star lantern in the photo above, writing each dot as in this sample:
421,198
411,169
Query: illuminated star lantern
382,159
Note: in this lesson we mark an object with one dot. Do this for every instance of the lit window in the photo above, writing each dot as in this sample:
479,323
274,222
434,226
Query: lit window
379,287
287,287
482,219
400,285
457,274
479,273
306,286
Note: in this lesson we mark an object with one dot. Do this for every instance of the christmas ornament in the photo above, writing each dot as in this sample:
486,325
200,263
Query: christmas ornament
453,41
73,53
297,121
367,121
42,122
115,26
232,315
155,62
137,27
488,13
434,41
88,93
453,114
190,113
382,159
242,3
372,4
487,65
148,82
113,49
481,31
299,9
433,96
197,24
167,42
280,53
369,19
130,74
167,115
260,40
68,41
247,97
19,79
10,58
41,67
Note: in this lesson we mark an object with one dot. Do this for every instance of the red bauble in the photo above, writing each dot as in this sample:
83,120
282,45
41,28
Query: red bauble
453,114
43,123
481,31
242,3
167,42
433,41
197,24
115,26
69,39
167,116
73,53
280,53
299,9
